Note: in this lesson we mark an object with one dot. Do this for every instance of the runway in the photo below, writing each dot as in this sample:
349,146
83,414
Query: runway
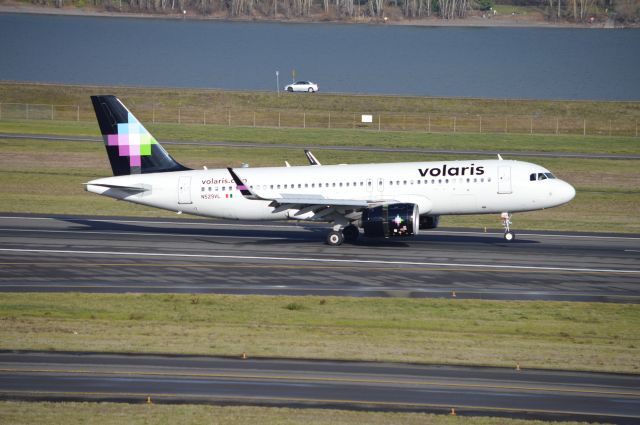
113,254
371,386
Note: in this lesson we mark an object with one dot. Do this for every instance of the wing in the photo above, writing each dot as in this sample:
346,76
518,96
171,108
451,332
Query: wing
307,203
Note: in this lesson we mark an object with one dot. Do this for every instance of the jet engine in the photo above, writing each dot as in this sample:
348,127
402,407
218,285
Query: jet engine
391,220
429,221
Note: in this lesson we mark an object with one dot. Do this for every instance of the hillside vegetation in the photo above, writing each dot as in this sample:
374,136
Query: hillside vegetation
569,11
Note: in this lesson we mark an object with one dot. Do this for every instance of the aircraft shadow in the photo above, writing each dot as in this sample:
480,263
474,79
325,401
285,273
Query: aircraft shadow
310,234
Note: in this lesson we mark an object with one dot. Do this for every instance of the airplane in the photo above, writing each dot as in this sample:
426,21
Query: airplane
386,200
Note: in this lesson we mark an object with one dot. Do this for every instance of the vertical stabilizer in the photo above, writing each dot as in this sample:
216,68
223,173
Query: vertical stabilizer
130,147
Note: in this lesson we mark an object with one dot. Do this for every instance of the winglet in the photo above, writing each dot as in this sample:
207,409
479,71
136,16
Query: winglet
246,192
312,159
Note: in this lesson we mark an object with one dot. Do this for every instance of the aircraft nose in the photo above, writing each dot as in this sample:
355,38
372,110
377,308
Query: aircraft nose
566,192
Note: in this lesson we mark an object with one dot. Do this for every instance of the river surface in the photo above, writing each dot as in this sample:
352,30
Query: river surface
533,63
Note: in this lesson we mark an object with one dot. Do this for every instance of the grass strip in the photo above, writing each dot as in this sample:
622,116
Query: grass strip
25,413
552,335
345,137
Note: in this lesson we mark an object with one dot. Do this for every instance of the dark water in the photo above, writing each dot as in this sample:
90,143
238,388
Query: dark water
539,63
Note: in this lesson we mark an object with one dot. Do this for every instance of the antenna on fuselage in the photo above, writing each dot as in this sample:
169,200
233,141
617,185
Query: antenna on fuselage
500,157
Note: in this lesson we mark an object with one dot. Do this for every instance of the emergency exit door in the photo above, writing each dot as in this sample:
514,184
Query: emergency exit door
184,190
504,179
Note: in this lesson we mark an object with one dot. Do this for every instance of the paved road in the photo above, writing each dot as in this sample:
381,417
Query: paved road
197,256
387,386
53,138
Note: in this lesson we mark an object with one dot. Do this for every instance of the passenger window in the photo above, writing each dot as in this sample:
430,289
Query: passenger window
390,182
223,188
313,185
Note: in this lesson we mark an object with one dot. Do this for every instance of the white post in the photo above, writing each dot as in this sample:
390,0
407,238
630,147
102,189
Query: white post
304,120
584,127
480,124
254,118
379,119
531,122
609,127
179,117
154,114
506,124
77,112
229,120
429,128
51,112
278,119
557,125
329,119
454,124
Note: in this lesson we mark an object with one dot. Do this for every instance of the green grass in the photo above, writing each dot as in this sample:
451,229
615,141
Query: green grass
553,335
346,137
23,413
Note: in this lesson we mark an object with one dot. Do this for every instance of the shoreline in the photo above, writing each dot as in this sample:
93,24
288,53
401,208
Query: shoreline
500,21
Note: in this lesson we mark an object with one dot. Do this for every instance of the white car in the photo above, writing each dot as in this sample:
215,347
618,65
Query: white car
306,86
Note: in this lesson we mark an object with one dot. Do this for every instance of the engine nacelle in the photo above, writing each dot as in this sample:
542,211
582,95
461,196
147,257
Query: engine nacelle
391,220
429,221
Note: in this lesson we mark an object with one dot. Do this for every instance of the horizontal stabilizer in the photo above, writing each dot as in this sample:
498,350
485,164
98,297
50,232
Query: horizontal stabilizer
132,189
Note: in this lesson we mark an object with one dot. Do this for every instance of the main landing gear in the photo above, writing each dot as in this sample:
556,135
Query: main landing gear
349,234
506,222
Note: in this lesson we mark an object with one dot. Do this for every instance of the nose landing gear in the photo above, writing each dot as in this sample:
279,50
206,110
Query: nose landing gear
509,236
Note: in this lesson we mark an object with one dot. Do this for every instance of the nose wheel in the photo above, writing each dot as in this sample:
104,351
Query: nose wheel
506,222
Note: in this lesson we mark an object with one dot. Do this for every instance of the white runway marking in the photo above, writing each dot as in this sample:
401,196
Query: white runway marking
326,260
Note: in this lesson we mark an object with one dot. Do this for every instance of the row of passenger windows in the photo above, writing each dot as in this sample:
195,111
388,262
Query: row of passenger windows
369,183
541,176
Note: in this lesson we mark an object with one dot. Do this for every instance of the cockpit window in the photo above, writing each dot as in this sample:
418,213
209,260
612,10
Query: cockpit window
541,176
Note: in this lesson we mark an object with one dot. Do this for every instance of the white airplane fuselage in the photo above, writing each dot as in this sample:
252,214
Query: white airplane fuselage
437,188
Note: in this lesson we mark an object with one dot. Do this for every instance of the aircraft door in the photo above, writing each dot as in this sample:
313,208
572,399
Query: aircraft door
504,180
184,190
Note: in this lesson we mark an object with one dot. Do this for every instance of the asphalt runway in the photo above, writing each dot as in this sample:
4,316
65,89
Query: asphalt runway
110,254
382,386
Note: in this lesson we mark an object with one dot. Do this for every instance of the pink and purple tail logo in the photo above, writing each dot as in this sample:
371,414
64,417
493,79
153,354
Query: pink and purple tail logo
132,140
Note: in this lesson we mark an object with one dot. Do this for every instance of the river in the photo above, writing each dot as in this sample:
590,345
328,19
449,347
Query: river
525,63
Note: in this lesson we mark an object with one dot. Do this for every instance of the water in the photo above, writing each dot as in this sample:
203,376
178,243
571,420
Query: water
534,63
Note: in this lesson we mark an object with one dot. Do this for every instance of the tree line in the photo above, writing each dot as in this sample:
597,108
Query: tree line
626,11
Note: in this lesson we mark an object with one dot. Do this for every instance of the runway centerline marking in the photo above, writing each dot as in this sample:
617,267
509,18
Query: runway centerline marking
324,260
356,380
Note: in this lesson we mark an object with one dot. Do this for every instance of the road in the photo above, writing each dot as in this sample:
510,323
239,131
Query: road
198,256
506,154
382,386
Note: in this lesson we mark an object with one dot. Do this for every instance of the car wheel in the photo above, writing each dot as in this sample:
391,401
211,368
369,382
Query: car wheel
310,89
289,89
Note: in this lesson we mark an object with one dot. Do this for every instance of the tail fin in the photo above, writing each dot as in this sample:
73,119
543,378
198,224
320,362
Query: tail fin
131,148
